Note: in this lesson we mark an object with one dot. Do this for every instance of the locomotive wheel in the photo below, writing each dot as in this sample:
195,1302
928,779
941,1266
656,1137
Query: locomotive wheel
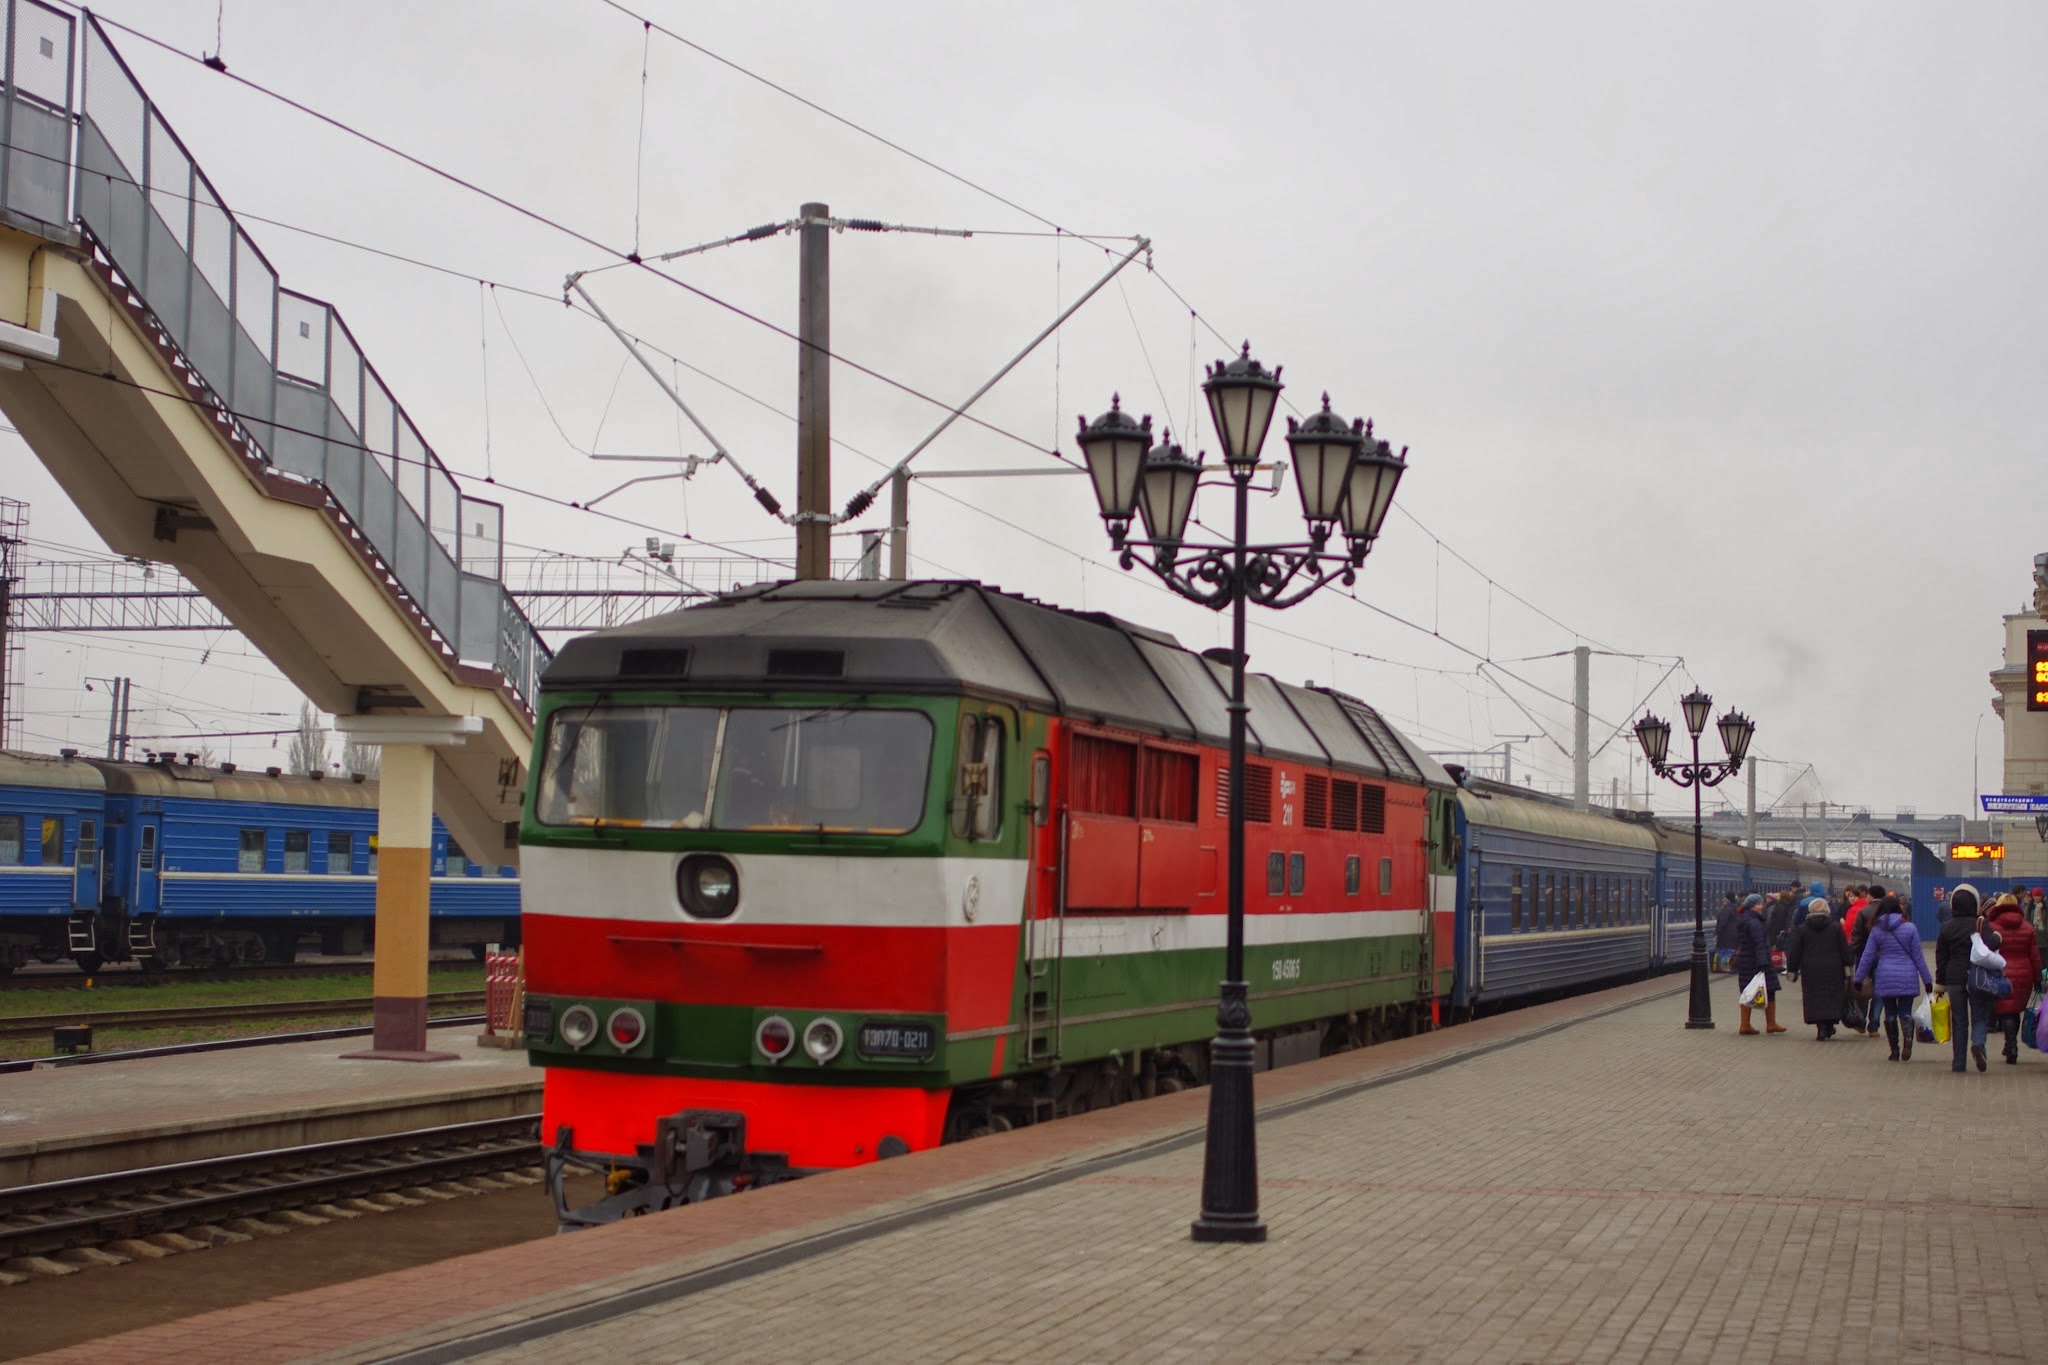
88,962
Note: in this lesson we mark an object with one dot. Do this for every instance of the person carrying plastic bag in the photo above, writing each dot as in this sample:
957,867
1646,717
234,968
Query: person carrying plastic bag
2022,952
1753,960
1953,946
1893,959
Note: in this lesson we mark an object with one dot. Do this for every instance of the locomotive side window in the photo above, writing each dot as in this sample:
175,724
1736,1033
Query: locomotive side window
10,840
1351,875
1170,780
250,856
53,841
1276,874
978,778
1105,776
1386,876
1297,873
298,846
1041,788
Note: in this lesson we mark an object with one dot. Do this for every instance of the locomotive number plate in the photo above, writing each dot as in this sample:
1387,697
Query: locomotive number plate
898,1038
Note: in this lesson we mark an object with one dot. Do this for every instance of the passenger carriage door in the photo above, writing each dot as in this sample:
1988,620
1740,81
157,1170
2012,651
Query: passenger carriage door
85,866
148,856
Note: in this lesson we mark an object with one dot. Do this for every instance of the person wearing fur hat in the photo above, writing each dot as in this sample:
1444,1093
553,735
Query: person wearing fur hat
1753,955
1819,960
2022,950
1892,957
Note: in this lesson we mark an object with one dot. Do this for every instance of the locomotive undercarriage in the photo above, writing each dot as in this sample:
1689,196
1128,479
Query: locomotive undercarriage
702,1154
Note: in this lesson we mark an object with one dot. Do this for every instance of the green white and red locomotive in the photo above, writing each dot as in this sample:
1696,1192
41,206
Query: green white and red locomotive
824,872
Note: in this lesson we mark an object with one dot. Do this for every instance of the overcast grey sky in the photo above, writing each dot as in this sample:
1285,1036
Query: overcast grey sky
1715,331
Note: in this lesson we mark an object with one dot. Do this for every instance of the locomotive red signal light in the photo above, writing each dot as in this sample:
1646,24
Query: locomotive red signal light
626,1027
775,1038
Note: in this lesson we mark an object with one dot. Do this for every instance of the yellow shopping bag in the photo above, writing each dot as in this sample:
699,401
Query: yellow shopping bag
1940,1010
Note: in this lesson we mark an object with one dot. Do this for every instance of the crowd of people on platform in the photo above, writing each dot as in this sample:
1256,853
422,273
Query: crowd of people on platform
1859,961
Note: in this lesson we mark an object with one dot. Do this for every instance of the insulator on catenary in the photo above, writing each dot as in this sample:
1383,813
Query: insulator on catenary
767,500
865,225
861,502
765,230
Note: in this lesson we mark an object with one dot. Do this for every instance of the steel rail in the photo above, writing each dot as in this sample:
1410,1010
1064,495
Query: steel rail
195,1016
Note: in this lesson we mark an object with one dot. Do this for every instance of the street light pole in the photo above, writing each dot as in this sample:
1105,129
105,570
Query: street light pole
1655,737
1347,479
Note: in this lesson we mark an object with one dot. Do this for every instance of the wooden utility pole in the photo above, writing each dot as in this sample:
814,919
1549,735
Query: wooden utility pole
814,396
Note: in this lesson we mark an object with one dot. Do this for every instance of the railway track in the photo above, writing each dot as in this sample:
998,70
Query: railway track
148,1212
71,979
196,1016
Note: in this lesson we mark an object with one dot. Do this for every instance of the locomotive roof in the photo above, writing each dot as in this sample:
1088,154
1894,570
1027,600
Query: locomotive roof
40,770
957,636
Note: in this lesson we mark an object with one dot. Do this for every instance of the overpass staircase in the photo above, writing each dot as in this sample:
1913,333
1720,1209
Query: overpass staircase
200,414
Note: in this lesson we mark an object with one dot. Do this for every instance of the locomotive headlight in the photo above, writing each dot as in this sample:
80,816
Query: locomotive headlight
578,1026
775,1038
823,1039
626,1028
708,886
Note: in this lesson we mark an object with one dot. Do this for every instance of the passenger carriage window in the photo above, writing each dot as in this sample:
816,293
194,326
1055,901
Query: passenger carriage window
1550,900
88,851
145,856
1171,778
458,861
1276,874
251,856
10,840
1297,873
297,850
1386,876
1515,899
1351,875
371,861
340,853
53,841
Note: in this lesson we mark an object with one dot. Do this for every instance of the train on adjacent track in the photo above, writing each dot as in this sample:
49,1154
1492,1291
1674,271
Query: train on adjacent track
169,863
823,872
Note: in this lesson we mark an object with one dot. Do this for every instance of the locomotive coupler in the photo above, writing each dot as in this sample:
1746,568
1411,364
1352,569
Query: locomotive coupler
696,1155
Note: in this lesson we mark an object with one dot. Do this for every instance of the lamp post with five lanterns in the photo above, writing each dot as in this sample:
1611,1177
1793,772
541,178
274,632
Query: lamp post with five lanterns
1347,479
1654,734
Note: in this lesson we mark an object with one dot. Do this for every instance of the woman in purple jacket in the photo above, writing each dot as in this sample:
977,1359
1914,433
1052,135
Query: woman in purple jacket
1893,952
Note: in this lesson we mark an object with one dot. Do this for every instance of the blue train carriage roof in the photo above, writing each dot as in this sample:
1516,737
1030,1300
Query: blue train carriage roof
1677,843
1500,809
964,637
40,770
193,783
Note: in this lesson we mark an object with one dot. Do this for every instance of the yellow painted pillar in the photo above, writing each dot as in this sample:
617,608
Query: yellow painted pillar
405,852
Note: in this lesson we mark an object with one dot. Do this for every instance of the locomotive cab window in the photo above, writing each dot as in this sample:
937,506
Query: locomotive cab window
741,768
250,857
10,840
978,778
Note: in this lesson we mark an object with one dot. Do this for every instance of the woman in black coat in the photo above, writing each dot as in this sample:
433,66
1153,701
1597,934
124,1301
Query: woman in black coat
1818,957
1753,955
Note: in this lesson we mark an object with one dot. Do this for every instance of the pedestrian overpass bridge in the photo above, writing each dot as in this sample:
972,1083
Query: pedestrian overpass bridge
200,414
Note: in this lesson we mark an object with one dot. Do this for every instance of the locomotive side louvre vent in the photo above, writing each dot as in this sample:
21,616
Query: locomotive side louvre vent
654,663
1315,801
1258,793
806,663
1344,805
1372,808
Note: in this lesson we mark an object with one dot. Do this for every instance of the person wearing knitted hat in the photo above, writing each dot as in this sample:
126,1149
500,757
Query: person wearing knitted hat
1753,955
1969,1011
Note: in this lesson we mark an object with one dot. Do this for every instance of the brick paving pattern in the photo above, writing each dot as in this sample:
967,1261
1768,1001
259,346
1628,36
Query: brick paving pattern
1619,1190
1587,1181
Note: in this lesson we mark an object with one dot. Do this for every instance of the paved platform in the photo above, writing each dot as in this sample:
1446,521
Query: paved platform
64,1122
1578,1181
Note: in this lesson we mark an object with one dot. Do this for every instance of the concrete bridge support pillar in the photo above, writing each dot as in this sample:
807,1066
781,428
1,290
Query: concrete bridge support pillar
405,850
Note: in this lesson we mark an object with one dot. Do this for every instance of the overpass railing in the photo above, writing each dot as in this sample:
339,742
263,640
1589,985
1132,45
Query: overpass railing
82,146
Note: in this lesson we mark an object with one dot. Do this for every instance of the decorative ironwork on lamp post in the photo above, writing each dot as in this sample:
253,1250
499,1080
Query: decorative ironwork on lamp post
1655,737
1347,478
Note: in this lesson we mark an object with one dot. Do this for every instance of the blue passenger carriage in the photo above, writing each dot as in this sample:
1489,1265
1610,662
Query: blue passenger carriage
52,821
1548,898
1724,869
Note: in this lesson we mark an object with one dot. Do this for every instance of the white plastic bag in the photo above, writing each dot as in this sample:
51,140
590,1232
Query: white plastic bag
1983,955
1923,1013
1756,992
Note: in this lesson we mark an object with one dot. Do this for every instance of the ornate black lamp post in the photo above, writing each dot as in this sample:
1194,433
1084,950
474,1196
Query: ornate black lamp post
1347,479
1655,736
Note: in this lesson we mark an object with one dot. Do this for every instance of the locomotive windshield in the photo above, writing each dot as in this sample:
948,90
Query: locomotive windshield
735,768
